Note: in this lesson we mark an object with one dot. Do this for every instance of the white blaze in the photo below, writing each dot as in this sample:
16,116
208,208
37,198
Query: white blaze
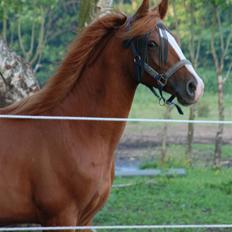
176,47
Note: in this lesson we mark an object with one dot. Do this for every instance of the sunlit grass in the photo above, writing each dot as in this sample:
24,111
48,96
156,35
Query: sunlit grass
203,196
146,105
176,157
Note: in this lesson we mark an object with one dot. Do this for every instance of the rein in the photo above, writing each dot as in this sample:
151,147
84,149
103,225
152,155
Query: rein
139,47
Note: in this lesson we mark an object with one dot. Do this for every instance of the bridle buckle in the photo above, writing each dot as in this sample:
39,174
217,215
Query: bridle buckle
162,80
137,59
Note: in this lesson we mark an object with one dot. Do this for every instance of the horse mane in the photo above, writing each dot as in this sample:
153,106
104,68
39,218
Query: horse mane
81,52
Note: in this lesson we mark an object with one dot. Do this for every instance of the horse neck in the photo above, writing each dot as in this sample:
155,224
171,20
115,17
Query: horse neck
106,88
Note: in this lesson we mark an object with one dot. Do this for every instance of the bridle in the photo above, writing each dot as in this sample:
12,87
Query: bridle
139,47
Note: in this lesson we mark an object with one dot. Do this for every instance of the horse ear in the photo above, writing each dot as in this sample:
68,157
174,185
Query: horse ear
162,8
143,10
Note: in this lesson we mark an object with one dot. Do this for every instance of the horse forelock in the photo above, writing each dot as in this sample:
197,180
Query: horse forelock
141,26
70,70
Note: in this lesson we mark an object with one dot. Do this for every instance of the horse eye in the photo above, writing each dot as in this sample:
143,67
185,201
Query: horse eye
152,44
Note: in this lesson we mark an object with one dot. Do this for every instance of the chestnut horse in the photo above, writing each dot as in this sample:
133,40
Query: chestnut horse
59,173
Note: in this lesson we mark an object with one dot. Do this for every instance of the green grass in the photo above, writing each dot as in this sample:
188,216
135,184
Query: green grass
176,156
201,197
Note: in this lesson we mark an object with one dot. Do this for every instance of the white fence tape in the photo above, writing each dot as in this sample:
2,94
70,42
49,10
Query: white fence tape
101,119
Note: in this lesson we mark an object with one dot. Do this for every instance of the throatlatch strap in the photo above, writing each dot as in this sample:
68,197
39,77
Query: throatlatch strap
139,49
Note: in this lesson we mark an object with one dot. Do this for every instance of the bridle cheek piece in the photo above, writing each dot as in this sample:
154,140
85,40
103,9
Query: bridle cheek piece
139,47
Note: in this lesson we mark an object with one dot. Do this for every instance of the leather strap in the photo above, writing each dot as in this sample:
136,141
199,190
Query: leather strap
139,48
176,67
162,79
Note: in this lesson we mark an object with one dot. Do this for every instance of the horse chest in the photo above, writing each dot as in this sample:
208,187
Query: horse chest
86,175
99,196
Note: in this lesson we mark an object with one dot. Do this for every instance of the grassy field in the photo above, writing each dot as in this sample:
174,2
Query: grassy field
203,196
176,156
145,105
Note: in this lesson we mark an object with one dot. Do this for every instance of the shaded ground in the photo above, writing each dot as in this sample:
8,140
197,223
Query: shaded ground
141,142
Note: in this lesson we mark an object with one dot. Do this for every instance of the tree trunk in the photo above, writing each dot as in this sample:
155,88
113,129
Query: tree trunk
190,136
194,46
167,115
92,8
17,79
219,135
87,11
219,57
103,6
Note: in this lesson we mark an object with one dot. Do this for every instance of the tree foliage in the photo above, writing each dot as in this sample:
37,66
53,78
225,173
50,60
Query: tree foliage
41,30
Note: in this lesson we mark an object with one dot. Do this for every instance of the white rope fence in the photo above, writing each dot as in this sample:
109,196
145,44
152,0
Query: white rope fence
101,119
119,227
123,227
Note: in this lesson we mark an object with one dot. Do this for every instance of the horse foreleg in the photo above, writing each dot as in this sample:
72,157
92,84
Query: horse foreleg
61,220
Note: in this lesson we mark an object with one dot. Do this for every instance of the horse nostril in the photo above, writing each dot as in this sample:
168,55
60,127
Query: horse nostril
191,88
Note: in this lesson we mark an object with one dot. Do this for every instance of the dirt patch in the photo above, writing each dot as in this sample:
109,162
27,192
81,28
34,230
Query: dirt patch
143,142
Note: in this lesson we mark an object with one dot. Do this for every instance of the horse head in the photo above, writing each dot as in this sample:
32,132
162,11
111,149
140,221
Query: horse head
159,62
